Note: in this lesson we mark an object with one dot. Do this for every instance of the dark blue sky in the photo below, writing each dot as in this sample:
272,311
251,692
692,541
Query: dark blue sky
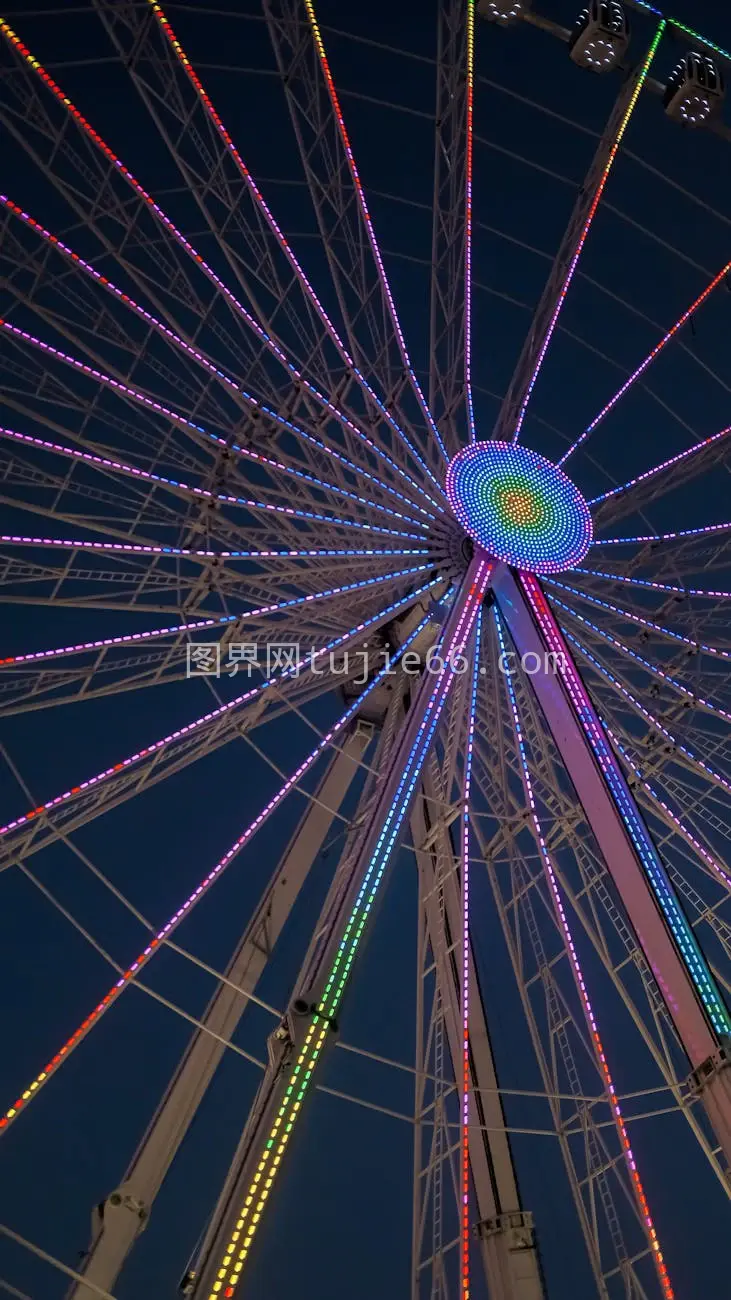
342,1218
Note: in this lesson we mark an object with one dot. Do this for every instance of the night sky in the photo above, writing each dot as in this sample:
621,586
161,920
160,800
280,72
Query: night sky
342,1220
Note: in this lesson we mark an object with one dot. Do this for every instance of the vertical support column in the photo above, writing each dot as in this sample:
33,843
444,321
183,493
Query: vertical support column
505,1229
118,1221
686,983
298,1046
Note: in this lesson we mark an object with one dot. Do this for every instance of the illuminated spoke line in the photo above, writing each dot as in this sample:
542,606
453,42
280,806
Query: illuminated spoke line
238,1249
133,471
657,586
652,866
646,663
657,469
272,682
370,232
469,143
213,369
132,637
662,537
619,686
644,622
643,367
465,1226
285,247
161,937
144,548
681,27
153,207
109,382
585,231
589,1014
708,858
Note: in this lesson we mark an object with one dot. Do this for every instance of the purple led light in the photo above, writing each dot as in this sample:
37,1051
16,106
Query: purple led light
133,637
138,548
164,934
657,469
662,537
573,956
643,622
646,663
657,586
648,359
219,712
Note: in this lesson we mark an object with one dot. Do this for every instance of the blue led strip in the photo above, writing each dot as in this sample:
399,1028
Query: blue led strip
644,622
647,853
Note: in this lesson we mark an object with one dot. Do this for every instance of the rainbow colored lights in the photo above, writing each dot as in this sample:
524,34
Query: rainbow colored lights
644,847
451,648
717,279
519,507
590,1017
163,935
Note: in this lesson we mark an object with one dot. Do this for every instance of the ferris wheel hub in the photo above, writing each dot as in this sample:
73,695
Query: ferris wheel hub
519,507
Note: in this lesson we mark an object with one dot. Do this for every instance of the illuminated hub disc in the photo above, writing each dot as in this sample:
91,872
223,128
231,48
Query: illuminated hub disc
519,507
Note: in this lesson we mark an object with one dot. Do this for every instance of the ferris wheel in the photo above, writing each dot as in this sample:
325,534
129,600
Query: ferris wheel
450,659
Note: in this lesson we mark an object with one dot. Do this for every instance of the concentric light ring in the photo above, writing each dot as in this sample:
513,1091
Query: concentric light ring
519,507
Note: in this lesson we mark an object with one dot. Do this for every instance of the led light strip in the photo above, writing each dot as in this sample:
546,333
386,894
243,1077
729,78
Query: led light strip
466,1071
585,231
648,856
133,471
164,934
643,622
695,844
641,370
657,469
361,198
662,537
646,663
270,683
139,548
203,266
657,586
133,637
468,218
711,772
573,956
681,27
137,396
204,361
278,234
238,1248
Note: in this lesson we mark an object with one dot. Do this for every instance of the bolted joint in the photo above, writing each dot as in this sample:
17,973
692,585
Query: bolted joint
121,1201
516,1227
714,1065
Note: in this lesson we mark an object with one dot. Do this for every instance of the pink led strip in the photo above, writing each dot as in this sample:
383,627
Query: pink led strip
164,934
360,194
133,637
140,548
468,219
643,622
695,844
657,469
180,239
137,396
582,990
133,471
279,236
219,712
643,367
646,663
657,586
711,772
585,231
466,1070
662,537
208,365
